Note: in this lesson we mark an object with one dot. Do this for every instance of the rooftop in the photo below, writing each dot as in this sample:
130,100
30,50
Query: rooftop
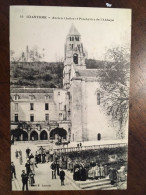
73,30
88,73
32,90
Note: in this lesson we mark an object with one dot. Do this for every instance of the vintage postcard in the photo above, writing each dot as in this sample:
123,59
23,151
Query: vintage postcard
69,85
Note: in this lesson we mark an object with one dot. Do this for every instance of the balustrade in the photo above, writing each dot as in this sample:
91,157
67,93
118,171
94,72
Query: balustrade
76,149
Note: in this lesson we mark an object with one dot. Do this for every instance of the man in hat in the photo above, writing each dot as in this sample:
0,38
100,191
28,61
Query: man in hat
13,172
53,167
27,152
27,165
24,177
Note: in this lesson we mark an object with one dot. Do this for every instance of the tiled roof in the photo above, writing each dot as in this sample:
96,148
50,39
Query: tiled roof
88,73
32,90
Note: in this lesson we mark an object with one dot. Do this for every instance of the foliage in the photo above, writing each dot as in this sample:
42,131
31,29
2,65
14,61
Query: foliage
98,155
37,74
115,86
41,74
47,77
94,64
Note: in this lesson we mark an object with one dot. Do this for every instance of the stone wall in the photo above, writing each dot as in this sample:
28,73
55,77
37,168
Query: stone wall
55,106
76,109
97,121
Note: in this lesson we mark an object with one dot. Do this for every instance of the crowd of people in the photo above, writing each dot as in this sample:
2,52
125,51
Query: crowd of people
92,171
95,171
29,172
41,156
81,171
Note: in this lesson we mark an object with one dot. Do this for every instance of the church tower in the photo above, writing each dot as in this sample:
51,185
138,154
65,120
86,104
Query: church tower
74,55
82,102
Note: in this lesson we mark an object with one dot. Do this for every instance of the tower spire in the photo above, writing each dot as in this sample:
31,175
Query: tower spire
74,55
73,31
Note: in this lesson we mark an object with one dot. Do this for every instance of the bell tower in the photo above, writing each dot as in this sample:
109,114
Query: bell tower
74,55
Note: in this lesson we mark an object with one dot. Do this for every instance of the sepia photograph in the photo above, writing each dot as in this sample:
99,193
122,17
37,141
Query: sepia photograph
69,97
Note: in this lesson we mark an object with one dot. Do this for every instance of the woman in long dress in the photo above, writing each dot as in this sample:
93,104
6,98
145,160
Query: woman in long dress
32,165
91,173
97,171
102,174
113,175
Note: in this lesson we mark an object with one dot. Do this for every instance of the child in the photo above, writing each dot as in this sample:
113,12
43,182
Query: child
31,178
62,176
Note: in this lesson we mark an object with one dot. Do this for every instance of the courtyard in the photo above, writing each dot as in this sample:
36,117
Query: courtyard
43,172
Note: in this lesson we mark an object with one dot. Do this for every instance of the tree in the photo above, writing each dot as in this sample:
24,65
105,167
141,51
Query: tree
47,77
114,81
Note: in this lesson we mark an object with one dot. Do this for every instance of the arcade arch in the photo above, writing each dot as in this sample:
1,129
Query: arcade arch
25,136
43,135
58,132
33,135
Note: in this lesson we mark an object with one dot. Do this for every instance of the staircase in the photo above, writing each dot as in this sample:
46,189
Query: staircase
101,184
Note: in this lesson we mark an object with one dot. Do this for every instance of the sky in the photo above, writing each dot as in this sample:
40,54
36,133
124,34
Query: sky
97,35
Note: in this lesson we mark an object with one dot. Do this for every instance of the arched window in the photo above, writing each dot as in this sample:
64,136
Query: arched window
31,106
75,58
31,117
98,136
16,118
46,106
16,97
77,38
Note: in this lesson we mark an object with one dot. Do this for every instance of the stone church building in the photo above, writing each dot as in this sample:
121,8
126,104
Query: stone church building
74,113
82,85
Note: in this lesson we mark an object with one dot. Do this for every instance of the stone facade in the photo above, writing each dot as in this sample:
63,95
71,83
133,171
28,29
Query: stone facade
87,118
39,111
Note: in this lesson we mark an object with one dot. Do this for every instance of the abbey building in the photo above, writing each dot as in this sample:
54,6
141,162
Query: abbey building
82,85
73,113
